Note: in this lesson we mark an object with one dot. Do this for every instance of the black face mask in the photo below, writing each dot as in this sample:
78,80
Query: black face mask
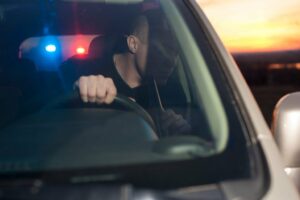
162,49
160,61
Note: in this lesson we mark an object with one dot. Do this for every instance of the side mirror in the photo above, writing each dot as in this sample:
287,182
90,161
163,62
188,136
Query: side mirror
286,129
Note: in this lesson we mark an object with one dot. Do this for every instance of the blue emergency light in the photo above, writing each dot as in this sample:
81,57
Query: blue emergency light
51,48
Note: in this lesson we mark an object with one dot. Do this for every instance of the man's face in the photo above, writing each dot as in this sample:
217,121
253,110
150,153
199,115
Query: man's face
161,53
155,54
142,52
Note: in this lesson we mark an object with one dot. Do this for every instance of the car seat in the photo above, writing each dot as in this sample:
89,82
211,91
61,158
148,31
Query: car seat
9,104
100,48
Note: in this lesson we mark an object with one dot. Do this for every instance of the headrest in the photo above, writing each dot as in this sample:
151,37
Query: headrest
102,46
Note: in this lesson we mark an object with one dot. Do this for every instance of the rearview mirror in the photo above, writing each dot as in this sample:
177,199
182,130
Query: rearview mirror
286,129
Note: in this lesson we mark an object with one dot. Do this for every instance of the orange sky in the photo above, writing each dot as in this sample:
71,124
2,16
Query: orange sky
255,25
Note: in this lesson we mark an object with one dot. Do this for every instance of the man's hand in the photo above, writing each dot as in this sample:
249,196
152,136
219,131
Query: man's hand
96,89
173,123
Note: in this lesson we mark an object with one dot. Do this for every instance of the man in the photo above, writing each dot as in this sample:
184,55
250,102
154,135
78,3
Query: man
129,66
126,73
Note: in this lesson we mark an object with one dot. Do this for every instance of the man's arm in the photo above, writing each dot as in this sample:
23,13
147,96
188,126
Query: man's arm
100,89
96,89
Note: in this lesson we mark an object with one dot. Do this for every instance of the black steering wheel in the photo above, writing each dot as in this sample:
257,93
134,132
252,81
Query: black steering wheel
132,105
119,99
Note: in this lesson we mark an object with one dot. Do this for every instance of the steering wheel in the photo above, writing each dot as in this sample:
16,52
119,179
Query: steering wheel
119,99
132,105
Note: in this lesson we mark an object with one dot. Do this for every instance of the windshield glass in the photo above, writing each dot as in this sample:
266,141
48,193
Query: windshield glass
111,85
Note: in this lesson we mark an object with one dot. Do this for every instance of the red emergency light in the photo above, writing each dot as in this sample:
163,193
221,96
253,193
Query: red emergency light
80,50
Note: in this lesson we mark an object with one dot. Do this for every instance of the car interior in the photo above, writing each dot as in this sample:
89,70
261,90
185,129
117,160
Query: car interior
44,126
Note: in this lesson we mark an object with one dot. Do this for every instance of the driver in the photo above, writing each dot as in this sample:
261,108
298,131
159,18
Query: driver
126,73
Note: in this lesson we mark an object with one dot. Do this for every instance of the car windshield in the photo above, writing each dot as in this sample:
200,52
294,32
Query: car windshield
173,121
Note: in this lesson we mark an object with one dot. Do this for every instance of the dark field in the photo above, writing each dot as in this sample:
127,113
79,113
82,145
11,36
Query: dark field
270,76
268,95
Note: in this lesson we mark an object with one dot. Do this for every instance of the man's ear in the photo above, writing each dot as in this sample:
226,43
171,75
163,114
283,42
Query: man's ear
132,43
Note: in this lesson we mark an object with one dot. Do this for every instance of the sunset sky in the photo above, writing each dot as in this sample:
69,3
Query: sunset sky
255,25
